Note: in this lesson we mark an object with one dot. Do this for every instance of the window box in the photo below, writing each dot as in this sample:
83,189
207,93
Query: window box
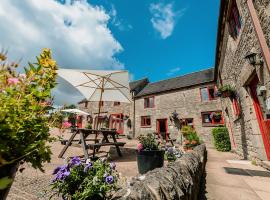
146,121
213,118
149,102
226,91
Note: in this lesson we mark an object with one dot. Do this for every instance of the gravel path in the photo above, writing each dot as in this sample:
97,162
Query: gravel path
32,184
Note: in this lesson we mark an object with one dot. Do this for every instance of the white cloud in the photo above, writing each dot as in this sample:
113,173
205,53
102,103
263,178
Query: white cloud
76,31
164,18
173,71
117,22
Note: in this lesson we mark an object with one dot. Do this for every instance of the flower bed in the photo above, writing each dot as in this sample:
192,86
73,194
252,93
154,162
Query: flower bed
90,180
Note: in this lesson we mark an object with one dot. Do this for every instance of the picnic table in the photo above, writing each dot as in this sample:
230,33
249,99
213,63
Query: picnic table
164,136
96,143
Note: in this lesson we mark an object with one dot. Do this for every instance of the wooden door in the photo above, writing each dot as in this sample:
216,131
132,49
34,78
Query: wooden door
263,124
117,123
162,128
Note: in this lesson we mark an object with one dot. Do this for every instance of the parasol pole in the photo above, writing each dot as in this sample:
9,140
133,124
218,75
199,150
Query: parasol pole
99,103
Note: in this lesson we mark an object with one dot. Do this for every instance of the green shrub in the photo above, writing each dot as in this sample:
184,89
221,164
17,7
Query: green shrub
221,139
186,130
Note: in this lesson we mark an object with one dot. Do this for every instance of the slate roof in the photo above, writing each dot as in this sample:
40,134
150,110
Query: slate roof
137,86
180,82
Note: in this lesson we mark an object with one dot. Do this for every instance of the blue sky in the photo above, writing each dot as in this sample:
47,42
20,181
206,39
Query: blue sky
190,47
156,39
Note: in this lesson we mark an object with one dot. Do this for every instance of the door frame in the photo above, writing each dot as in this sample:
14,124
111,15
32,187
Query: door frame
166,124
118,121
259,115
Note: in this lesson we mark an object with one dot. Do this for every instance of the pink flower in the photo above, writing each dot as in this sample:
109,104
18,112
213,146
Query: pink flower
67,124
140,147
23,76
13,81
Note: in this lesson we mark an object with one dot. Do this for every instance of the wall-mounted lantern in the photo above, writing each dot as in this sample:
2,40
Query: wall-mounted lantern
252,59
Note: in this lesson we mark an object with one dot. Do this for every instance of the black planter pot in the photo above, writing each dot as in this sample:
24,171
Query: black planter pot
149,160
7,171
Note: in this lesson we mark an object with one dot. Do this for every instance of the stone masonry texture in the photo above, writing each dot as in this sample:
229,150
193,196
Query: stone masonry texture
180,180
235,70
186,102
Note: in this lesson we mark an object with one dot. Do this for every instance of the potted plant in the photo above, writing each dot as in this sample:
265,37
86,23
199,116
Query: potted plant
149,155
226,91
91,180
216,115
171,154
24,119
191,138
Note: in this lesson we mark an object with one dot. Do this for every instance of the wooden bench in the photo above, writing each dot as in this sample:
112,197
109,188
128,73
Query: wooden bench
165,137
95,147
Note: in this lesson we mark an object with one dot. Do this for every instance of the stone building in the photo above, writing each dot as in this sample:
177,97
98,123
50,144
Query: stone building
243,62
114,115
192,97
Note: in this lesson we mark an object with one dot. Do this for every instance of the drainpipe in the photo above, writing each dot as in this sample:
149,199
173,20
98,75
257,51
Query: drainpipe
133,97
259,32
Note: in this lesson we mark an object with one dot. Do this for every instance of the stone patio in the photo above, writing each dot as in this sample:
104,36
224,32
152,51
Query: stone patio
228,177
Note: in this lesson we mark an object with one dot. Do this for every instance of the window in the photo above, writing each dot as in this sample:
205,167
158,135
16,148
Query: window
187,122
85,104
234,20
212,118
101,103
145,121
208,93
149,102
116,103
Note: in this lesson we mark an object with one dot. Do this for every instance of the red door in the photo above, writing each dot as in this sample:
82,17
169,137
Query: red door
79,121
117,123
263,124
162,128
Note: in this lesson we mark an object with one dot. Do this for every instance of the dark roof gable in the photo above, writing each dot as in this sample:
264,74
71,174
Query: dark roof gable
180,82
137,86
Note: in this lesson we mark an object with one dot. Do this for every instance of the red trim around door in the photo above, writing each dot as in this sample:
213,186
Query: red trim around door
264,127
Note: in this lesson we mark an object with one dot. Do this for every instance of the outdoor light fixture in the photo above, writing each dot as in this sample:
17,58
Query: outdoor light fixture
175,115
252,59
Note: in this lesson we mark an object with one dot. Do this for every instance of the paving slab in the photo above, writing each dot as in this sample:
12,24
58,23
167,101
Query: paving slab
228,177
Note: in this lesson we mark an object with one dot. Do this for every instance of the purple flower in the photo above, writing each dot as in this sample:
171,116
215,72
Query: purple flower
170,150
109,179
75,161
87,167
61,173
112,165
56,170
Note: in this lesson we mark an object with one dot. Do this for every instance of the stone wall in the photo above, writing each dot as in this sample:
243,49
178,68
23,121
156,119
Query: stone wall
187,103
235,70
181,180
